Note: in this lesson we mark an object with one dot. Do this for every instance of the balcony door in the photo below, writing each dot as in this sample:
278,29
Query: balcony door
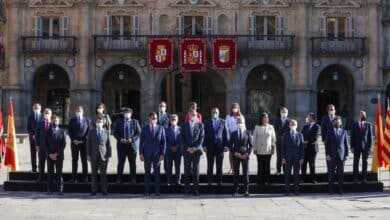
264,30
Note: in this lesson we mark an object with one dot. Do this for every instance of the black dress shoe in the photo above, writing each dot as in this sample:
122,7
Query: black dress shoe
287,193
235,194
196,193
49,192
158,194
133,181
246,194
146,194
331,193
296,193
105,193
85,180
341,193
60,193
118,180
93,194
38,180
72,180
34,170
314,182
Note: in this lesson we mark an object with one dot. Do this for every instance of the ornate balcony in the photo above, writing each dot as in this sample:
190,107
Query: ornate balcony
346,46
57,45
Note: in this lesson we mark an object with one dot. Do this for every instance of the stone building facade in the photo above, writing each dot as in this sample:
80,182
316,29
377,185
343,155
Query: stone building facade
303,54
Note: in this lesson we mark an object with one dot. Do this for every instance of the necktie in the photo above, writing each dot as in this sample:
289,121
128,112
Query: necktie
99,134
152,131
361,127
127,133
46,125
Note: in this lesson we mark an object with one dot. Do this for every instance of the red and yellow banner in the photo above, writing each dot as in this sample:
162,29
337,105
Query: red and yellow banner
11,154
193,55
386,143
2,141
224,53
160,52
377,160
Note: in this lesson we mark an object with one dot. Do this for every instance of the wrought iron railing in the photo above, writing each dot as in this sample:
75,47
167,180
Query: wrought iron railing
345,46
62,44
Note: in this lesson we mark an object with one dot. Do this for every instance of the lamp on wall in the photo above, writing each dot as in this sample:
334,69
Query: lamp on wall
335,76
264,75
51,75
121,75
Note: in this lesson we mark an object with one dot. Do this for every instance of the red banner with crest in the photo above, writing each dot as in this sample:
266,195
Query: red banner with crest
193,55
224,53
160,52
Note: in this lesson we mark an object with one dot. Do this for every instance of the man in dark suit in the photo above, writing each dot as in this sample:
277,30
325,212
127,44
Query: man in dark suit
241,145
32,124
361,142
152,151
41,141
78,130
99,154
56,140
293,154
282,126
311,133
215,144
127,132
192,137
163,119
336,148
326,121
173,150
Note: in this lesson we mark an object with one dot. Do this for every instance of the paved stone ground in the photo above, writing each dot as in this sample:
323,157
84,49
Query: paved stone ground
27,205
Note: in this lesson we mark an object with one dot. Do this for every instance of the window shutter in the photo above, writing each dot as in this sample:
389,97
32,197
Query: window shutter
37,27
108,27
135,22
180,23
64,25
323,29
351,22
208,25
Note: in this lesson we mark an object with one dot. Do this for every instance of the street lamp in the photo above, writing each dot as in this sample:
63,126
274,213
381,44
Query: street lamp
264,75
51,75
335,76
121,75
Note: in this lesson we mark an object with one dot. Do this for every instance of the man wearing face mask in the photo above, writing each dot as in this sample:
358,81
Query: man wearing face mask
282,126
327,120
336,149
127,132
55,155
293,154
162,115
241,145
215,145
32,124
361,141
152,151
78,130
99,154
41,141
192,137
173,150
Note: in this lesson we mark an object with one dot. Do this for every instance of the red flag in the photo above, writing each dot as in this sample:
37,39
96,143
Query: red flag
224,53
2,141
160,53
193,54
377,159
11,154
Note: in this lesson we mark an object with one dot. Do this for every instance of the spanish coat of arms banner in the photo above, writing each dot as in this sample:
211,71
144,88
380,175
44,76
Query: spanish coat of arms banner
193,55
160,53
224,53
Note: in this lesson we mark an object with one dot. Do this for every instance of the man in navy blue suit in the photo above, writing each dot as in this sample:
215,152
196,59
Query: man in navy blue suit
215,144
282,126
192,137
311,133
336,148
32,124
152,151
327,124
293,154
361,142
78,130
41,141
173,150
56,140
127,132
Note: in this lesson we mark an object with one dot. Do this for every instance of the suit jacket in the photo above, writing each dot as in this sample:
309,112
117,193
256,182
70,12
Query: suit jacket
32,124
56,142
78,131
192,140
41,136
94,144
280,129
163,120
311,135
326,125
173,139
361,140
152,146
336,145
292,149
215,140
241,145
135,131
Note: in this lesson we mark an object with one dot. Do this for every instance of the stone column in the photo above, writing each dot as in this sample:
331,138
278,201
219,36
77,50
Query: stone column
371,77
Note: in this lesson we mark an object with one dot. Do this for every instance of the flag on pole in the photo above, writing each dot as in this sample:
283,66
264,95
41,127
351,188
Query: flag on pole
377,160
11,154
386,144
2,141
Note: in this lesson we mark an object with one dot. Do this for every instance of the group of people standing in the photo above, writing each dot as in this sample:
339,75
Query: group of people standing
163,140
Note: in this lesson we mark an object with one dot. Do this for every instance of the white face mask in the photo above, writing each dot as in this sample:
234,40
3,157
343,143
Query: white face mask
79,114
163,109
284,114
194,118
307,120
235,110
241,126
127,115
47,116
37,111
100,110
333,112
293,127
99,125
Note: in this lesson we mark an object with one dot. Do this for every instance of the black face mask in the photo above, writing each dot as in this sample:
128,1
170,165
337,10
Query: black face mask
337,125
363,118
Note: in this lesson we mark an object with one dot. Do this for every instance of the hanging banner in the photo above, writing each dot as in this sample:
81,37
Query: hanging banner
160,52
193,54
224,53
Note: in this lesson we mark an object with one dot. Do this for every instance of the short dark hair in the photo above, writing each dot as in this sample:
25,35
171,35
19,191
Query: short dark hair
152,114
99,118
312,115
100,104
261,117
127,110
